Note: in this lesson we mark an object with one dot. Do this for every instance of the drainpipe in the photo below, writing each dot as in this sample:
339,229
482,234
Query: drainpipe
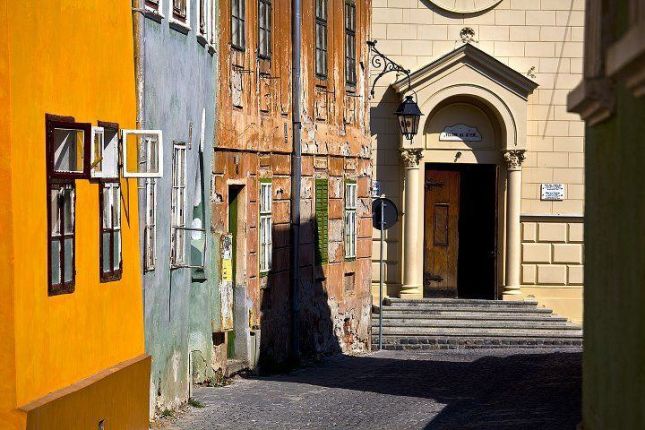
138,25
296,177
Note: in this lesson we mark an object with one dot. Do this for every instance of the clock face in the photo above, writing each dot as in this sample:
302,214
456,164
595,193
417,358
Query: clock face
465,6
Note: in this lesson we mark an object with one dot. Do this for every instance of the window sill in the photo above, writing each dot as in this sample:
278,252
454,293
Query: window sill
202,40
153,14
179,26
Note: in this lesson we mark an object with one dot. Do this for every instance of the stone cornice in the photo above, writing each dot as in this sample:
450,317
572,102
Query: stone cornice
480,61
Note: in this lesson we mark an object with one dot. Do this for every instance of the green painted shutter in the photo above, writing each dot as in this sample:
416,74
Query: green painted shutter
322,221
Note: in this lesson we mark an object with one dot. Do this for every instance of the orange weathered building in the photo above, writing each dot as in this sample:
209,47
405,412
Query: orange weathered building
253,160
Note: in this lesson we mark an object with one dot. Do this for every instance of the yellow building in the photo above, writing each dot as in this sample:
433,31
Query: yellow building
71,323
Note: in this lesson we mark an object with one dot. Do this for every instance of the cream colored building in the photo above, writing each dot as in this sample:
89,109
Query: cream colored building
491,188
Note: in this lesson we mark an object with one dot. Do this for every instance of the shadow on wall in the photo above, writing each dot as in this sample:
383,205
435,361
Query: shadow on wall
316,323
387,136
524,391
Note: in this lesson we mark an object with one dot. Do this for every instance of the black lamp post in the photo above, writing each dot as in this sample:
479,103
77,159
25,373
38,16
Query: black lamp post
408,112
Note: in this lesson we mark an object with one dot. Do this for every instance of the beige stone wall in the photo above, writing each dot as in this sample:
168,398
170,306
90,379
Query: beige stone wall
540,38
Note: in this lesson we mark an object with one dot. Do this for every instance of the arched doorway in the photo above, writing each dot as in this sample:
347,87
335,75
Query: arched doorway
461,228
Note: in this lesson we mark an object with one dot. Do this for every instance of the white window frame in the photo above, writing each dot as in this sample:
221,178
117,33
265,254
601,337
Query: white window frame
206,11
109,155
351,231
178,203
156,134
266,226
150,226
158,10
172,19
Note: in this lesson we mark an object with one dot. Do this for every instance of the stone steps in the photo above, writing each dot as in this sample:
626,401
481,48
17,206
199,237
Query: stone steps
479,323
460,323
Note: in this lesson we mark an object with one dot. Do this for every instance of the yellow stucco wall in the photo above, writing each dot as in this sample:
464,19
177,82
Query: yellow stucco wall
66,58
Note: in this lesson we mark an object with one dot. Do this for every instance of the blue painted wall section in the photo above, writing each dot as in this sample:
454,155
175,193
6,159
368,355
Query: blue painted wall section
179,91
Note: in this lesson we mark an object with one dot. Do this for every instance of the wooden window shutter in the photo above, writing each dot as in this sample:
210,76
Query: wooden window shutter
322,221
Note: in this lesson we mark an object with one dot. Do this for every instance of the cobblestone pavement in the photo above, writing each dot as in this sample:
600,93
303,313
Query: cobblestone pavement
471,389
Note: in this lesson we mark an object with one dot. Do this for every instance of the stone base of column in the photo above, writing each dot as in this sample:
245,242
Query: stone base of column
512,292
411,292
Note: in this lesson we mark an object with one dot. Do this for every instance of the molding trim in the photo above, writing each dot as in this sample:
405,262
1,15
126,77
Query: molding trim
552,218
593,100
479,60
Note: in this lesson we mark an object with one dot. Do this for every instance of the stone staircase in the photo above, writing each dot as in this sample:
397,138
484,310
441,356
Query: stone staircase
462,323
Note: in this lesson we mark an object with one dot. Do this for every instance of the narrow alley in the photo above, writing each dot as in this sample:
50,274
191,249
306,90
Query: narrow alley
455,389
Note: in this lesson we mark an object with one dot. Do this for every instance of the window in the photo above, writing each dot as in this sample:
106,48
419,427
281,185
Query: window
110,198
322,219
264,30
266,240
153,5
321,38
238,30
150,228
142,153
350,43
178,206
206,21
61,208
68,146
180,10
203,17
104,150
350,220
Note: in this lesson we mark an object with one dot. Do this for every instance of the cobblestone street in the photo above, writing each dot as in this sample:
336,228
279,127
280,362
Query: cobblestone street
462,389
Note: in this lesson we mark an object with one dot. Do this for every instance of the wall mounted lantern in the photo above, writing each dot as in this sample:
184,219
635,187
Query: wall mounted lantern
408,112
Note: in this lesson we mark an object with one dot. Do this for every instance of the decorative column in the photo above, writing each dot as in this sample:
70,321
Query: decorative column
514,161
413,259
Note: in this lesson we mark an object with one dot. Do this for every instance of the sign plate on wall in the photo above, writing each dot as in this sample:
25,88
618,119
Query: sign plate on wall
460,133
553,192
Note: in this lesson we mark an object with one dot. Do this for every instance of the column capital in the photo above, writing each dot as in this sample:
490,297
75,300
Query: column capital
411,157
514,159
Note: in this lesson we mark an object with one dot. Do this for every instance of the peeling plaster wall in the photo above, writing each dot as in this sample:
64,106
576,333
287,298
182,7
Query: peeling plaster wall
179,83
255,142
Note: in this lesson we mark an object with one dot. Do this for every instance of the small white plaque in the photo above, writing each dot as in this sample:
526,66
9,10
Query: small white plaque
376,188
460,133
553,192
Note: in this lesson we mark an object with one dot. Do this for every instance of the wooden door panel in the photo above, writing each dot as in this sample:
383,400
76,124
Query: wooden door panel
441,242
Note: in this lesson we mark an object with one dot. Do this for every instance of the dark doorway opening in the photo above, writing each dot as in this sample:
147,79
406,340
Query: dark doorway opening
476,203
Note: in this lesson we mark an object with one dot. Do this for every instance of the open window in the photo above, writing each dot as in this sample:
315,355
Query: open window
142,153
68,147
104,150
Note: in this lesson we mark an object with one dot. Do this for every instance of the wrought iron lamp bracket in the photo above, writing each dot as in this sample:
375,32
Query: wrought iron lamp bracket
381,61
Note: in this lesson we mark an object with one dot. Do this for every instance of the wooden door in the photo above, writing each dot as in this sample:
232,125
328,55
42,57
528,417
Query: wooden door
441,241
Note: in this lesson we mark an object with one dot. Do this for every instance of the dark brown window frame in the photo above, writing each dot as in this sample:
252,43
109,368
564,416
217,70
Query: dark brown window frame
112,274
351,77
52,122
62,287
56,180
241,21
321,20
153,4
268,4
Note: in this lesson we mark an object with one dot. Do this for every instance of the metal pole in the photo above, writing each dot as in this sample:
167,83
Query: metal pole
381,269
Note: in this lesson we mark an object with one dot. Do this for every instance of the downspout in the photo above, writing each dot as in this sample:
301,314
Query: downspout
138,24
296,177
